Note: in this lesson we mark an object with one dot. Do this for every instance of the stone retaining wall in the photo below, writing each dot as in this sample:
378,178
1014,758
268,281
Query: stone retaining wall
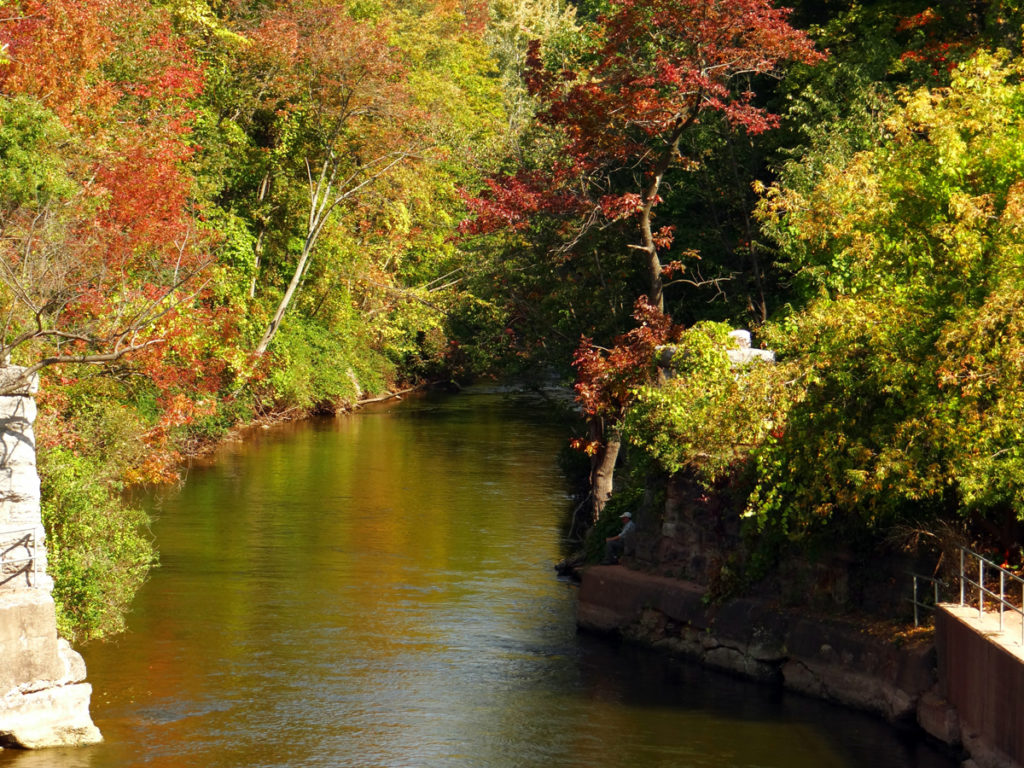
947,691
826,660
43,699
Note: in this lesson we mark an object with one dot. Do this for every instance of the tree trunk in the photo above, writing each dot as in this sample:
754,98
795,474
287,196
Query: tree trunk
655,293
324,197
602,464
271,331
655,288
320,207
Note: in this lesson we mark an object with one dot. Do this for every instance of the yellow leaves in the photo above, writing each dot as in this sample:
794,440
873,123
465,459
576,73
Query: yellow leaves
1012,218
523,20
926,211
918,111
198,14
971,209
917,376
775,202
589,447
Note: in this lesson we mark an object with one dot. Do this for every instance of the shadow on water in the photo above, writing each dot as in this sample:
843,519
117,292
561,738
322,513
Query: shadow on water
729,708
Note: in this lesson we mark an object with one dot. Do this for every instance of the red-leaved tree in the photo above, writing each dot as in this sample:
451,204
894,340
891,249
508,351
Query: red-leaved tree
98,240
651,71
606,382
103,254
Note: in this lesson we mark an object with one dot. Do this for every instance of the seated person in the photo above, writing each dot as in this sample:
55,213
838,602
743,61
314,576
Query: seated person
615,546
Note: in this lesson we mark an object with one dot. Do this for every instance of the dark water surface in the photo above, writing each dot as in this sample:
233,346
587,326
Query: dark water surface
377,590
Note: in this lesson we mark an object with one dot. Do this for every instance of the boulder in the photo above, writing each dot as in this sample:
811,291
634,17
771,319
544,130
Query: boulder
53,717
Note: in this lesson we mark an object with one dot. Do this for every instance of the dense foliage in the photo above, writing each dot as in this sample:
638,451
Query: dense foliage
881,263
910,344
215,211
212,212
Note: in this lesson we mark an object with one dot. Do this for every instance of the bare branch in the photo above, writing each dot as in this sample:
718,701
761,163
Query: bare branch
91,359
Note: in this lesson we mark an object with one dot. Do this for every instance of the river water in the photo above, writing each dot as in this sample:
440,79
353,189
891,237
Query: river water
377,591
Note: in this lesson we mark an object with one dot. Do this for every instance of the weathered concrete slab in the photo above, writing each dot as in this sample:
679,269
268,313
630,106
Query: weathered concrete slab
54,717
28,639
844,684
938,718
761,630
612,597
753,638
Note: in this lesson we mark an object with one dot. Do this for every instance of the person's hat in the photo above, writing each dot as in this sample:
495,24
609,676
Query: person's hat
626,514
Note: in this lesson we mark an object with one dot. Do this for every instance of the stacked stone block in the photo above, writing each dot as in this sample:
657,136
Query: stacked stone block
22,553
44,700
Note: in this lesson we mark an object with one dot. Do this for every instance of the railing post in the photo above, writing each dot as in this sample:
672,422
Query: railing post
961,577
1002,596
981,587
917,623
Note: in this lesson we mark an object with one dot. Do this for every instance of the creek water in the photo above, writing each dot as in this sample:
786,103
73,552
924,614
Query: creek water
377,590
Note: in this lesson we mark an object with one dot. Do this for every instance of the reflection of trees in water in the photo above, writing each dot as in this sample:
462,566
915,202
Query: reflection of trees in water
378,590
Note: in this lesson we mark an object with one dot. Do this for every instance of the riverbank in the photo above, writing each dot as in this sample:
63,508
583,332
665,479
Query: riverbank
890,673
205,448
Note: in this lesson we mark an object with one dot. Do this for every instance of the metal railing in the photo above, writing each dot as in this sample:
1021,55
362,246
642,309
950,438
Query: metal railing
1001,597
29,564
916,599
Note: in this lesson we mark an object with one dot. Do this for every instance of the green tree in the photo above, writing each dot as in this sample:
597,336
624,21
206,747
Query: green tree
710,414
910,253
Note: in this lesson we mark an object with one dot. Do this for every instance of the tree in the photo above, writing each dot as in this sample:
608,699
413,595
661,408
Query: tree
98,244
344,117
909,345
104,262
607,384
710,414
512,27
614,113
648,72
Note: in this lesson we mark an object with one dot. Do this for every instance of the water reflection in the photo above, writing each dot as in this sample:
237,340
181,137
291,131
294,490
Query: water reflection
378,591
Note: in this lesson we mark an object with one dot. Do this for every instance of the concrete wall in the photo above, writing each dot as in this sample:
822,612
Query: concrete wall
43,699
981,674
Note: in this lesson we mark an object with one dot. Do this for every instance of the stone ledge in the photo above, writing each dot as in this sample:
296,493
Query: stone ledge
938,718
752,638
